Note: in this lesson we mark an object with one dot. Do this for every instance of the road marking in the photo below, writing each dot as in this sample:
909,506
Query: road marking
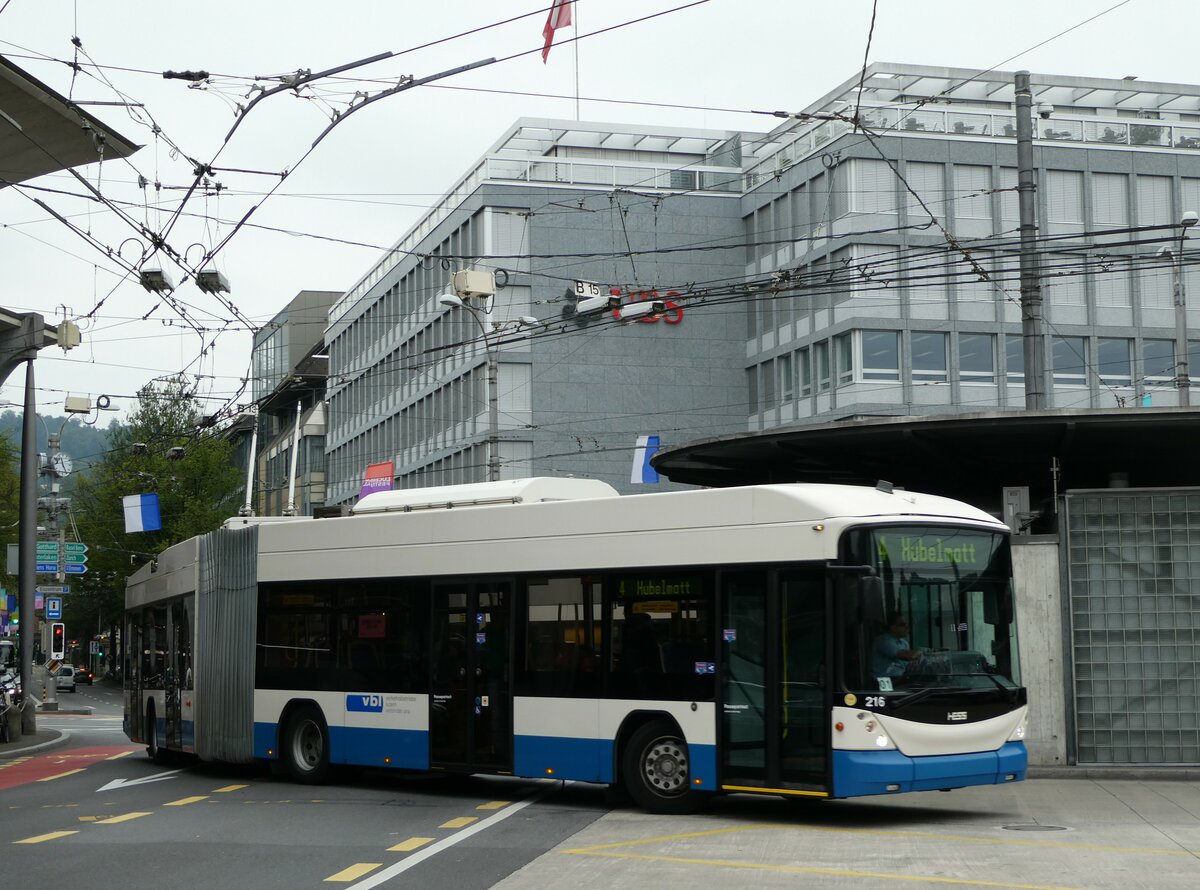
116,819
447,842
411,844
88,818
460,822
117,784
69,772
494,805
229,788
832,872
119,756
184,801
354,872
54,835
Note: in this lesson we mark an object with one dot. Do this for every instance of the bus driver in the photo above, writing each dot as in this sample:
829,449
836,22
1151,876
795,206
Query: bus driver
891,655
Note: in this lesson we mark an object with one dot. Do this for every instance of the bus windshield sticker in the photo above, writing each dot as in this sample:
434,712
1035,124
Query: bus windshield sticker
706,667
885,684
730,634
372,626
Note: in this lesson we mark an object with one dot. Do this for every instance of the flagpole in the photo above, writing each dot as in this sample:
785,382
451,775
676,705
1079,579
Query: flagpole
575,25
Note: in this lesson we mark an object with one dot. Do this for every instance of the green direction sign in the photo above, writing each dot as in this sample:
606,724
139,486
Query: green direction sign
71,547
47,551
47,548
75,557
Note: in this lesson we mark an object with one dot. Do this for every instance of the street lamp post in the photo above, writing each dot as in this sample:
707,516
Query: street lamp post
451,298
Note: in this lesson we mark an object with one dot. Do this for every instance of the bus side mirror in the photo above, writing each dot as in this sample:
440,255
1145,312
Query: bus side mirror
870,597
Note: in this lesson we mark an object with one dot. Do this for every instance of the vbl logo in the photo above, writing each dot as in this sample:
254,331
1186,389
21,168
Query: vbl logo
370,703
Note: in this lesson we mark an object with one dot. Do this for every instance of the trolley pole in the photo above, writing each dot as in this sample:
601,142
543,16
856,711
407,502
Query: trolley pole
1031,286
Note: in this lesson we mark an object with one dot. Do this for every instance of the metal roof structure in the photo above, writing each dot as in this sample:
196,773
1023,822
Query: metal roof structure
888,83
967,456
44,132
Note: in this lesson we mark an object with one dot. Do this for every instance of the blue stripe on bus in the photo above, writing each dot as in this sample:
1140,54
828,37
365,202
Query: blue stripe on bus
591,760
858,773
360,746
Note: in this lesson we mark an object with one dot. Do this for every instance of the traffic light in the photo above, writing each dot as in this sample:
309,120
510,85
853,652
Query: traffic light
58,647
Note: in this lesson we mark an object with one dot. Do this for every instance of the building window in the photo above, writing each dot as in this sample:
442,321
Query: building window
844,355
977,358
871,187
929,356
1113,362
1070,361
802,360
880,355
972,192
1064,201
752,389
768,385
1158,360
787,379
821,357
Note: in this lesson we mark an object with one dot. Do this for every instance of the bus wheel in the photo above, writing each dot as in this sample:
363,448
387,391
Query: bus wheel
305,747
656,770
153,751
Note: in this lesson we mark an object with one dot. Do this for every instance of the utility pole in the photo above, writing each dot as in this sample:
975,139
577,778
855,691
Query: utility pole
1031,286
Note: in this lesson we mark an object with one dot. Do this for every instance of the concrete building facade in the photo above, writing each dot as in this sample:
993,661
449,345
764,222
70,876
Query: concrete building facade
551,203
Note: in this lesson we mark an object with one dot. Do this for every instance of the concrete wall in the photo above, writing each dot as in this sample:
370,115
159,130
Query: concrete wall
1040,644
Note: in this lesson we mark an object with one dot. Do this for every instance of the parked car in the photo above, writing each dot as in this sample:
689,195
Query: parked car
83,675
65,681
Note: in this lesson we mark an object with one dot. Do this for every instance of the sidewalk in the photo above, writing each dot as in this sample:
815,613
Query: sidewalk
28,745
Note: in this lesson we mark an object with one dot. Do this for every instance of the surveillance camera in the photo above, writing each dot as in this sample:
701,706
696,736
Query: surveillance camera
1044,110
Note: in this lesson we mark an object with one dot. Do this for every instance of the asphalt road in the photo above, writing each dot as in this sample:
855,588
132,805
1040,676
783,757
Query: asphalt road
98,813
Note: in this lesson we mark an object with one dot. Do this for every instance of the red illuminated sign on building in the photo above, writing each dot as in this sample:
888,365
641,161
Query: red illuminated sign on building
673,313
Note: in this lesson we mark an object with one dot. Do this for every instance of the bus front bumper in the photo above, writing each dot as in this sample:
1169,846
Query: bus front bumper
859,773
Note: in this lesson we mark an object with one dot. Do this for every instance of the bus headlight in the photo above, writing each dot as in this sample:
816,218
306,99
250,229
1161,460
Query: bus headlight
882,741
1018,734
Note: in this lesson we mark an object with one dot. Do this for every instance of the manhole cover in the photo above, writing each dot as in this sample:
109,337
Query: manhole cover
1033,827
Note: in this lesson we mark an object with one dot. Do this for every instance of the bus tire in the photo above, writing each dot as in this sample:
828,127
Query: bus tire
305,748
153,750
656,770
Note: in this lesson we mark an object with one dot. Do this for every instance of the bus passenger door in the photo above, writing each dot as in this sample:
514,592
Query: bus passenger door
470,721
774,715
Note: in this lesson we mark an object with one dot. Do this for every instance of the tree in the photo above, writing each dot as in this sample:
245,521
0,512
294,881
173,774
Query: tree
160,450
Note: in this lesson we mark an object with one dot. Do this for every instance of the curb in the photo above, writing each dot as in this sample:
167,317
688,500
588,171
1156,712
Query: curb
1116,773
39,748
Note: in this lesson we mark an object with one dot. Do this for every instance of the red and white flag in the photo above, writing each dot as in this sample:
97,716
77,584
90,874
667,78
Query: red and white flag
560,16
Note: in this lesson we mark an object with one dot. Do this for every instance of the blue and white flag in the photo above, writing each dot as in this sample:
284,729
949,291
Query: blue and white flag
645,449
141,513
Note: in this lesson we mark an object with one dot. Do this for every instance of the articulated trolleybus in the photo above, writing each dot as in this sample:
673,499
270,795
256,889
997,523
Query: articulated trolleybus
803,640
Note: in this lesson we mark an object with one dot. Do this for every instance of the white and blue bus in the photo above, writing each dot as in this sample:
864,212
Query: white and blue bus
803,640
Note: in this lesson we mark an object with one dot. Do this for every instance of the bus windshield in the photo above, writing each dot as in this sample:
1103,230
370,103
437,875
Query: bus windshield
946,620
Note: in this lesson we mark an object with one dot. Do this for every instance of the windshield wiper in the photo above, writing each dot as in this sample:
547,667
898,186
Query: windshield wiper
1010,692
919,695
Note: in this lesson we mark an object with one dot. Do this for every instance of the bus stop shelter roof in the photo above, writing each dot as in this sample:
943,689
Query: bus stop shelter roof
43,132
968,456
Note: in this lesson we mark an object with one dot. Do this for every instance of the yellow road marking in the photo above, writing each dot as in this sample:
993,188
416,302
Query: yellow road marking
834,872
119,756
113,820
229,788
884,833
411,844
354,872
459,822
88,818
54,835
184,801
494,805
69,772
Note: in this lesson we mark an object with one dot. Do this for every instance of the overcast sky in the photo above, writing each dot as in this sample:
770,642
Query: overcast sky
376,173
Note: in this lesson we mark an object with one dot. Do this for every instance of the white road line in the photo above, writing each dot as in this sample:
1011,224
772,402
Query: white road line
446,843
